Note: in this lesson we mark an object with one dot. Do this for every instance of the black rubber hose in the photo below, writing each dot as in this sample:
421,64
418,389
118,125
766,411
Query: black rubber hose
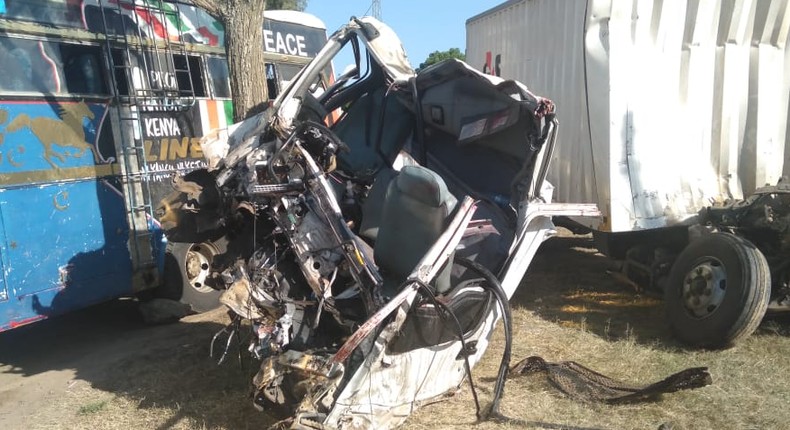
419,124
496,287
443,311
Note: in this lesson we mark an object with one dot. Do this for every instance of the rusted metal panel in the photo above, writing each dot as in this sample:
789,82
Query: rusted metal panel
666,107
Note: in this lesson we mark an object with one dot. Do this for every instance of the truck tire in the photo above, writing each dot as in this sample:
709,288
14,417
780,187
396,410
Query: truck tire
718,291
187,266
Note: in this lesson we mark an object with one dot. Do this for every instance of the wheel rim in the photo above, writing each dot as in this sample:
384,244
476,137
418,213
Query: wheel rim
704,287
197,266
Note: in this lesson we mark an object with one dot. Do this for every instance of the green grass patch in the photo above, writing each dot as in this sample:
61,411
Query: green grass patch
92,408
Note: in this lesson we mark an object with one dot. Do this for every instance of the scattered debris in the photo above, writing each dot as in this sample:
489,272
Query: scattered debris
163,311
624,279
587,385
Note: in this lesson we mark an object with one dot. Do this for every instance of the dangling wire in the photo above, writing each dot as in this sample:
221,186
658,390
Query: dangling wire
495,286
444,312
231,330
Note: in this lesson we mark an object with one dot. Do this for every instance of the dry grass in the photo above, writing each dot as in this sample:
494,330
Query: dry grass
745,393
567,309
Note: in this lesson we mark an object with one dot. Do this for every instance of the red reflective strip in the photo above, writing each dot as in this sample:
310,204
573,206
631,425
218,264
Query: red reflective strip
14,324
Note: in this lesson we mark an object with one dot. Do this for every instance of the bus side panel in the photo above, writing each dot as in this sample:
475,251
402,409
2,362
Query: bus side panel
3,284
172,141
64,235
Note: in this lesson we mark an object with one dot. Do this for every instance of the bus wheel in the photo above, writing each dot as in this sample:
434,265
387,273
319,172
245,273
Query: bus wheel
187,266
718,291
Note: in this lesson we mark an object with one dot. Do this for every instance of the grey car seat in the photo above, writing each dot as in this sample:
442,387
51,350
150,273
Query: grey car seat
415,212
374,203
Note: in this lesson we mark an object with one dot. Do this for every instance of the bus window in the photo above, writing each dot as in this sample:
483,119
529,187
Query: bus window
82,70
196,69
218,77
61,13
51,68
152,74
189,77
29,66
271,81
121,80
108,21
287,72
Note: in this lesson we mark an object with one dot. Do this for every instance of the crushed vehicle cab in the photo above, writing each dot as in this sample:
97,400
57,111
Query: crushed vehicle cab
373,257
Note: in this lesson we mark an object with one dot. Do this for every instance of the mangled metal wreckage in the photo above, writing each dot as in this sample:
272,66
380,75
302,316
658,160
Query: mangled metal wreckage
372,289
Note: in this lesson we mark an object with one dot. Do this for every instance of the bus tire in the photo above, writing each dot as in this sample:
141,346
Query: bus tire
187,265
718,291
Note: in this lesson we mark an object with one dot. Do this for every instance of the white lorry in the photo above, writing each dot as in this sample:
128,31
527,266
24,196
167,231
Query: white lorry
675,119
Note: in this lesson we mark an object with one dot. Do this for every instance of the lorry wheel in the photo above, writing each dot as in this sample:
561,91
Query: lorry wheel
718,291
187,266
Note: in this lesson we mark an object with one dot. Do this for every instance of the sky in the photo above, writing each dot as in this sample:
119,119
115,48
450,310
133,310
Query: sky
423,26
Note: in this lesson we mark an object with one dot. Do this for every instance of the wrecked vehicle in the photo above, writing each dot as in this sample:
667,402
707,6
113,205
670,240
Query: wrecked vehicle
374,257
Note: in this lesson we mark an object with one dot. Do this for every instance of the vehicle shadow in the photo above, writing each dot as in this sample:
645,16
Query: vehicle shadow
153,367
569,282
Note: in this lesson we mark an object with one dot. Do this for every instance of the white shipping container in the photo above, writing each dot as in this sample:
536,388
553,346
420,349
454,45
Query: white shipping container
665,107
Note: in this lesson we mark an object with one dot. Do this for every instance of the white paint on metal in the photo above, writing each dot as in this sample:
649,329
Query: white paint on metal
388,50
295,17
665,107
388,387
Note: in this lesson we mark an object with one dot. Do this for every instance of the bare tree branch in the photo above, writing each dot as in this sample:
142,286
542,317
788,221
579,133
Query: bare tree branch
213,7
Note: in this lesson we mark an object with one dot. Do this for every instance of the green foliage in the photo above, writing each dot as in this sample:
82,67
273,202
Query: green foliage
92,408
286,4
437,56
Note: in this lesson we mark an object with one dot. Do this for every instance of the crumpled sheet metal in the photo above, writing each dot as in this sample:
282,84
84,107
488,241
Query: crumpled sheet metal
389,388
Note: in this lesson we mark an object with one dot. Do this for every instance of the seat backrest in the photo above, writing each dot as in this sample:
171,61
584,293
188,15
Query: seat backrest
415,212
374,204
359,129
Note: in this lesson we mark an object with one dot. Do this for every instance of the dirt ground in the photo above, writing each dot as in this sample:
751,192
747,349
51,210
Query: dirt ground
64,372
103,368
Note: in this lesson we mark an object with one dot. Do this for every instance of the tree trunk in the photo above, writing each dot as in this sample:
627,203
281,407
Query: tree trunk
243,21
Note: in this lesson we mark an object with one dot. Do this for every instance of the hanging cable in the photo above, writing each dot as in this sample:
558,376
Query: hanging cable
493,284
444,312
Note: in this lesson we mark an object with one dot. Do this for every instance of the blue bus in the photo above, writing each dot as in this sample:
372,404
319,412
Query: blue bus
102,102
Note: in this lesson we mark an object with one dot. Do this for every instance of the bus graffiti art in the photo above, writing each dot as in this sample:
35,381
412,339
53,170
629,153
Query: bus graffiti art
63,131
102,103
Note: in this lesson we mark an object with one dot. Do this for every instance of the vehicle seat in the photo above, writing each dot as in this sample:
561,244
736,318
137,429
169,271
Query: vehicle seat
374,203
415,212
361,128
